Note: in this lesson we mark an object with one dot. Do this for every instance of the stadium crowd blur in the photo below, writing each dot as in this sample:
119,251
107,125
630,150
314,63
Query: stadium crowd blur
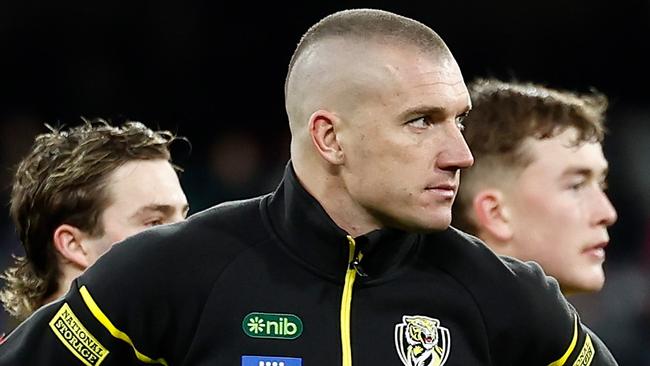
203,71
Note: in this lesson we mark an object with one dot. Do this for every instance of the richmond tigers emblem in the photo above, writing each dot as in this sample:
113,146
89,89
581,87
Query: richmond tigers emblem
421,341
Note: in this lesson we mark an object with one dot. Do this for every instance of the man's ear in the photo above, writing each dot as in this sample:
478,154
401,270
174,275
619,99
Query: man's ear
493,216
67,241
322,129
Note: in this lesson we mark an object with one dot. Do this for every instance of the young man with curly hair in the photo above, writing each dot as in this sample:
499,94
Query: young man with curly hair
78,192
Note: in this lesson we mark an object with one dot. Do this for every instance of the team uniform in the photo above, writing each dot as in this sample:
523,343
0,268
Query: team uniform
273,281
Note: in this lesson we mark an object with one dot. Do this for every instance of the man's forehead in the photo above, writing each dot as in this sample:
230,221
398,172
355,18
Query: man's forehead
168,208
562,151
348,70
369,51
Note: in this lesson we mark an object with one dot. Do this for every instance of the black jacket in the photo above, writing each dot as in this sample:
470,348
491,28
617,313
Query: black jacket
273,281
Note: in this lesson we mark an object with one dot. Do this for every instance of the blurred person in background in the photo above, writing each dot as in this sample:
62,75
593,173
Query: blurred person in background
78,192
620,313
235,167
536,191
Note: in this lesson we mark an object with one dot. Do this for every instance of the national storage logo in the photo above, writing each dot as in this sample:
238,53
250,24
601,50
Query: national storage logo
67,327
270,325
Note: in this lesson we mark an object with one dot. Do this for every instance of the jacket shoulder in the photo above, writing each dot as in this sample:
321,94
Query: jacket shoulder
519,303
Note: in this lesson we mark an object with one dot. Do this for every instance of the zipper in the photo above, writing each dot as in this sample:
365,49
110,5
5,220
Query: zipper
354,268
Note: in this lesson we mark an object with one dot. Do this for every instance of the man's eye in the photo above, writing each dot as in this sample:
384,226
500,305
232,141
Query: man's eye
460,119
422,122
577,185
459,122
154,222
603,184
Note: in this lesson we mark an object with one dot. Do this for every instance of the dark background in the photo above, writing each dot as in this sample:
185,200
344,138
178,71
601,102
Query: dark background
214,72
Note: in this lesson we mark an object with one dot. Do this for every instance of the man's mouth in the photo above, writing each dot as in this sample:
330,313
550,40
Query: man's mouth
597,251
444,190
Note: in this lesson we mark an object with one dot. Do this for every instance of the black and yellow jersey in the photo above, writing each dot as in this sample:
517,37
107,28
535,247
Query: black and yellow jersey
272,281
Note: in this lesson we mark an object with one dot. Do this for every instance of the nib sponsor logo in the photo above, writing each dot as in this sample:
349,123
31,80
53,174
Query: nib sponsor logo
270,325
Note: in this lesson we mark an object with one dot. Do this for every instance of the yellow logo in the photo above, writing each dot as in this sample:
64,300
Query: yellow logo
421,341
76,337
586,354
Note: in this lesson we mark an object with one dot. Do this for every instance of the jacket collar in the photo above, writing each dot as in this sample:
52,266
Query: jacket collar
308,233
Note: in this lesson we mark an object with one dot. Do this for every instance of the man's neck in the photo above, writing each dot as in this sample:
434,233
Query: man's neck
332,195
67,275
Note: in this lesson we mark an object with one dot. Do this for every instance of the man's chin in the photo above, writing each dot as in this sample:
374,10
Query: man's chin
420,226
584,287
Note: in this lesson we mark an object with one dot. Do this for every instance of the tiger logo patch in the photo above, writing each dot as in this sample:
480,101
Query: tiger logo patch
421,341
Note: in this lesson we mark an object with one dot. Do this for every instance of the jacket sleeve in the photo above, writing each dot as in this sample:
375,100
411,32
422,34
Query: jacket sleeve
585,348
139,304
552,330
71,331
110,315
